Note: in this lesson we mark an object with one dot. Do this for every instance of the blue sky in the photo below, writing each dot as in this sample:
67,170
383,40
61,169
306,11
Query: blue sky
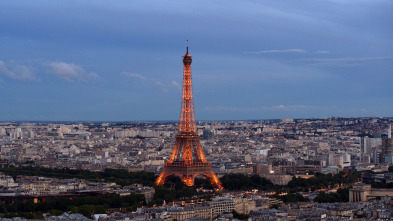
122,60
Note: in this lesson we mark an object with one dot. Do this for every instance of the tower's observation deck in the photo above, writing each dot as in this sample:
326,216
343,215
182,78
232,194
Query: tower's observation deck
187,159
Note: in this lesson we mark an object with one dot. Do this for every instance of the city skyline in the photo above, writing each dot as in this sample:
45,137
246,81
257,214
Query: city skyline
96,61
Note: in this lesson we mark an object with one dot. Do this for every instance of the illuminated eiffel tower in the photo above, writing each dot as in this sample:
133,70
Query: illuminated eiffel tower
187,159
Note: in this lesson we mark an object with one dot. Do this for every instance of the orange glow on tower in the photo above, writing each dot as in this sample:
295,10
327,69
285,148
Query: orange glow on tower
187,159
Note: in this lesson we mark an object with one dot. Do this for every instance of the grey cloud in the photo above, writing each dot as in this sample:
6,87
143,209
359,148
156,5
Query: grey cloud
261,109
322,52
17,72
290,108
273,51
230,109
345,61
163,86
133,75
70,71
176,84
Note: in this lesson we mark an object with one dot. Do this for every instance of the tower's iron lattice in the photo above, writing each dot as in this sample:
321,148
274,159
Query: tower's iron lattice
187,159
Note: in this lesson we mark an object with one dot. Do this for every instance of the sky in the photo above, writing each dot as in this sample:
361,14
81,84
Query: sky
97,60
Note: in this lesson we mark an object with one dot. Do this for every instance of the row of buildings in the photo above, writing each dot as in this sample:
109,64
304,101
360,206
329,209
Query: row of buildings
36,186
217,209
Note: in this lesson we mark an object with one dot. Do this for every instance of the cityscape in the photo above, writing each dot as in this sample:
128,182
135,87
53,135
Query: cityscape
285,111
282,151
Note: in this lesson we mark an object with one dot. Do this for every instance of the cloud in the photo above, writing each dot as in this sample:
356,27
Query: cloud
229,109
70,71
261,109
17,72
276,51
133,75
290,108
345,61
93,76
322,52
176,85
163,86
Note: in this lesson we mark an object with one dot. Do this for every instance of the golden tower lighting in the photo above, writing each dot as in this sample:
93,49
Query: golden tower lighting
187,159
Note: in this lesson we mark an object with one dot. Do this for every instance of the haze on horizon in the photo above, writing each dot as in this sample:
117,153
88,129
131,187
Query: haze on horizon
122,61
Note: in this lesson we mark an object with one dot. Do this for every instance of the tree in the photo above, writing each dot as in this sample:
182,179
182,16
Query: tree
240,216
292,198
342,195
242,182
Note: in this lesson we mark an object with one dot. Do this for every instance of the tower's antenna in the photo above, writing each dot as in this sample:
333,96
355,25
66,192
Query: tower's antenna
187,46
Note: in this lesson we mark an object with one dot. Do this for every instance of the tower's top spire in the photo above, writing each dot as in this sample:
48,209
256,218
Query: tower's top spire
187,57
187,47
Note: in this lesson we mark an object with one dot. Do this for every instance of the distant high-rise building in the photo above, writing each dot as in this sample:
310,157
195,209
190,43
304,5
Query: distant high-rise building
389,158
367,145
207,134
387,148
376,156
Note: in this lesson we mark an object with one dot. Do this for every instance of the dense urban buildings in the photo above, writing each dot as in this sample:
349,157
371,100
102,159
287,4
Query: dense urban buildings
265,147
275,149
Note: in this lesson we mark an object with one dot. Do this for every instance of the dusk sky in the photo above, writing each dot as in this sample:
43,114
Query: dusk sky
119,60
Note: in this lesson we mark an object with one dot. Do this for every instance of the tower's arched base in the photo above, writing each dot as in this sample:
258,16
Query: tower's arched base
187,173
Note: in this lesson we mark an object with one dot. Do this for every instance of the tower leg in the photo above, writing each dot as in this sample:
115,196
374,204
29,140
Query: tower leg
214,180
161,179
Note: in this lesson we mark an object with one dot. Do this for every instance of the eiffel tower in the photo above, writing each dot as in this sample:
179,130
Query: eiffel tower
187,159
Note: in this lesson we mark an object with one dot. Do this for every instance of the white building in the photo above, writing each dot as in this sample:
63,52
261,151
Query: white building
336,160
